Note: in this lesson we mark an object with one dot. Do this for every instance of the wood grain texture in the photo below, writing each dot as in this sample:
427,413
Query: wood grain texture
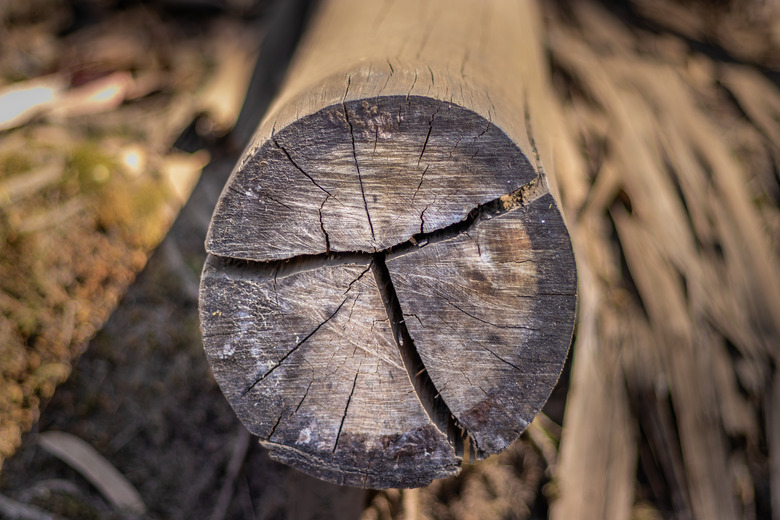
322,383
390,278
484,309
678,326
363,176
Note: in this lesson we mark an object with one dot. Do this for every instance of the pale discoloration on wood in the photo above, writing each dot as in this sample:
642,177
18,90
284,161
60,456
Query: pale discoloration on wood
484,311
393,226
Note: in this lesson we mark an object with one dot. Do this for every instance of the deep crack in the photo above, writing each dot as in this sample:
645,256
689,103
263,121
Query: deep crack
322,226
357,166
494,208
435,407
422,219
343,417
429,396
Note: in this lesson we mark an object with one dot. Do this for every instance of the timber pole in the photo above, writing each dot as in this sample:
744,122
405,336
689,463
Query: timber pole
390,285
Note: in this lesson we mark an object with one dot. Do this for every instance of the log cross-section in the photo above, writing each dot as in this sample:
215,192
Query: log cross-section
390,284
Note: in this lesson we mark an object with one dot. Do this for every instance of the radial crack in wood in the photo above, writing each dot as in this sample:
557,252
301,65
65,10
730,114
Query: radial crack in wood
470,321
408,285
426,391
455,334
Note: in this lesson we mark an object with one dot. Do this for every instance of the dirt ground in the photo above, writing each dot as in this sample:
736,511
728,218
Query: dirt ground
142,395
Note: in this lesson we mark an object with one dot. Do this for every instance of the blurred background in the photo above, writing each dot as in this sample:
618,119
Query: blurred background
120,121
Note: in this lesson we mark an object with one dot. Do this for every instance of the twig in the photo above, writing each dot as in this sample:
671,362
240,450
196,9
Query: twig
13,509
411,504
236,461
94,467
544,442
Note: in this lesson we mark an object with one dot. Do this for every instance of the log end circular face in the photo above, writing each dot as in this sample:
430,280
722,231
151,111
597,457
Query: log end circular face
388,281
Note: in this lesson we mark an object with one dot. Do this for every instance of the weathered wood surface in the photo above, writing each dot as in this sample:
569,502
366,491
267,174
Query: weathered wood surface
391,286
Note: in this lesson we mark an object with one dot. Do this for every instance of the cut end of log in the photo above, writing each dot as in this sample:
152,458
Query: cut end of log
388,278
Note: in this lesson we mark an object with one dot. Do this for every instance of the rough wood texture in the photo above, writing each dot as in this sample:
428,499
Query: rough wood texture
480,306
391,285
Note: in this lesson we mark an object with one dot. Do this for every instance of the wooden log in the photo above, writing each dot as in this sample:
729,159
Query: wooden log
391,286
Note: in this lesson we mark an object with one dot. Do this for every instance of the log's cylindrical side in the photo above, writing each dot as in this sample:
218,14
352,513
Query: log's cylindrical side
391,281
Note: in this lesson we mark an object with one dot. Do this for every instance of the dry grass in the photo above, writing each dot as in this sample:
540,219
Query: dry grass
673,205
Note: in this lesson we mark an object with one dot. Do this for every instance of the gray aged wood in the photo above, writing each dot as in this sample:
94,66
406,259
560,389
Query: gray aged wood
390,283
308,360
485,310
363,176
